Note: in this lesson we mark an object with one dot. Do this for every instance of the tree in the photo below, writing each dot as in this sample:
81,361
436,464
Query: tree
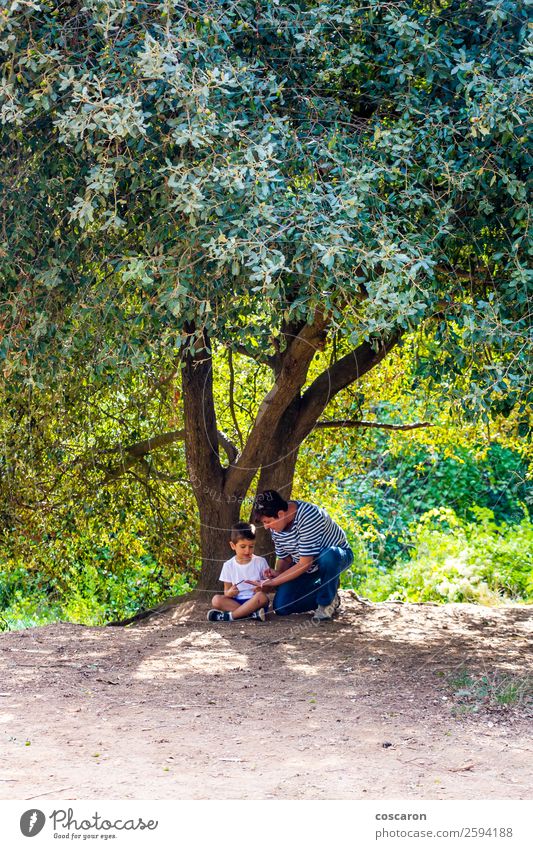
273,178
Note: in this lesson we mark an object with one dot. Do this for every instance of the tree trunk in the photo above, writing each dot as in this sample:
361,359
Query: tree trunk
217,514
278,472
285,418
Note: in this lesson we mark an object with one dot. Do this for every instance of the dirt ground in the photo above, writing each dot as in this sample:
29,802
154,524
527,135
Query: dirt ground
373,705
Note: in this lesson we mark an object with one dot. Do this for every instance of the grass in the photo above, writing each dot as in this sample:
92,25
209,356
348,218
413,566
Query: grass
494,689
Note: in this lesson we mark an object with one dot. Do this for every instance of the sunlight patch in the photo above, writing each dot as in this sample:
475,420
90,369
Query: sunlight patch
208,653
305,668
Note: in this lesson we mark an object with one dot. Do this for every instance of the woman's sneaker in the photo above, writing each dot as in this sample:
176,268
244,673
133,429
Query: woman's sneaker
326,612
218,616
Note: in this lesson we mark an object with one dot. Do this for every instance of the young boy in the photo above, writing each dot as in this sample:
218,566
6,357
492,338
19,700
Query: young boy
239,600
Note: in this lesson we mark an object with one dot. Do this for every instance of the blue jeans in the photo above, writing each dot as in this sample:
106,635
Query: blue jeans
313,588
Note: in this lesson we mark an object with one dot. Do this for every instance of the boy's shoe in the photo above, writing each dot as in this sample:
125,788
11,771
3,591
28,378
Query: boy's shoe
326,612
218,616
258,614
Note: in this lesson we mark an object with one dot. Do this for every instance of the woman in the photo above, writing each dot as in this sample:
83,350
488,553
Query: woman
311,551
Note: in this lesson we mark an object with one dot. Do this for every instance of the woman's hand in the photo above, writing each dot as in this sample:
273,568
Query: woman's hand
265,586
269,573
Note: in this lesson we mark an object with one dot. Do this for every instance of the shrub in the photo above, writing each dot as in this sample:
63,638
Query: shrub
400,488
89,571
460,561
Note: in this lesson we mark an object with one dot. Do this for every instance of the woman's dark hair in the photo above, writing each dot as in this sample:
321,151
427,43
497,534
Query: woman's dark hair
242,530
268,503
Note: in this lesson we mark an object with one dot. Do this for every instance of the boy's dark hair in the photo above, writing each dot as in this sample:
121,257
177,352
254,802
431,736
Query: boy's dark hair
242,530
268,503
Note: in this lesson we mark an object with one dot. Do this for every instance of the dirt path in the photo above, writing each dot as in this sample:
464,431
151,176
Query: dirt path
361,708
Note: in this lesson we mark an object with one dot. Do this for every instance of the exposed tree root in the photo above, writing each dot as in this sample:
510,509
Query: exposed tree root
164,607
360,599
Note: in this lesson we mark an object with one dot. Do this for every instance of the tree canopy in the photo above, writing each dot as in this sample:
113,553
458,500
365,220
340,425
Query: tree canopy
235,165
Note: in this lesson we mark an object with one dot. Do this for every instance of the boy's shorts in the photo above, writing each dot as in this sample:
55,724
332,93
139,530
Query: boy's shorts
242,600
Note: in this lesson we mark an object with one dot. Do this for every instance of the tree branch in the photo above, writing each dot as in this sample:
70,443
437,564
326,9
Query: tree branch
139,449
338,376
231,450
239,348
301,416
289,380
232,397
136,452
362,423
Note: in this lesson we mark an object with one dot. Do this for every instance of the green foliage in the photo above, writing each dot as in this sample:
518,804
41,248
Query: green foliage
401,486
90,571
459,561
379,482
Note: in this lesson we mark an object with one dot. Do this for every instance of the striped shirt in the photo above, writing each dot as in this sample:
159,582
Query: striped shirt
311,531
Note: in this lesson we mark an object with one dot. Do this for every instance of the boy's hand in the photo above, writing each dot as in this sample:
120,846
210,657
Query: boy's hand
269,573
232,592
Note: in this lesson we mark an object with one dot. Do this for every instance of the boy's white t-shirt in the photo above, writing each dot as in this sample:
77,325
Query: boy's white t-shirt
234,572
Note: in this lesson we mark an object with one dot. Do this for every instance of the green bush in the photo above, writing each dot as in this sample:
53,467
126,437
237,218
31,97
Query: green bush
455,560
401,487
89,571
